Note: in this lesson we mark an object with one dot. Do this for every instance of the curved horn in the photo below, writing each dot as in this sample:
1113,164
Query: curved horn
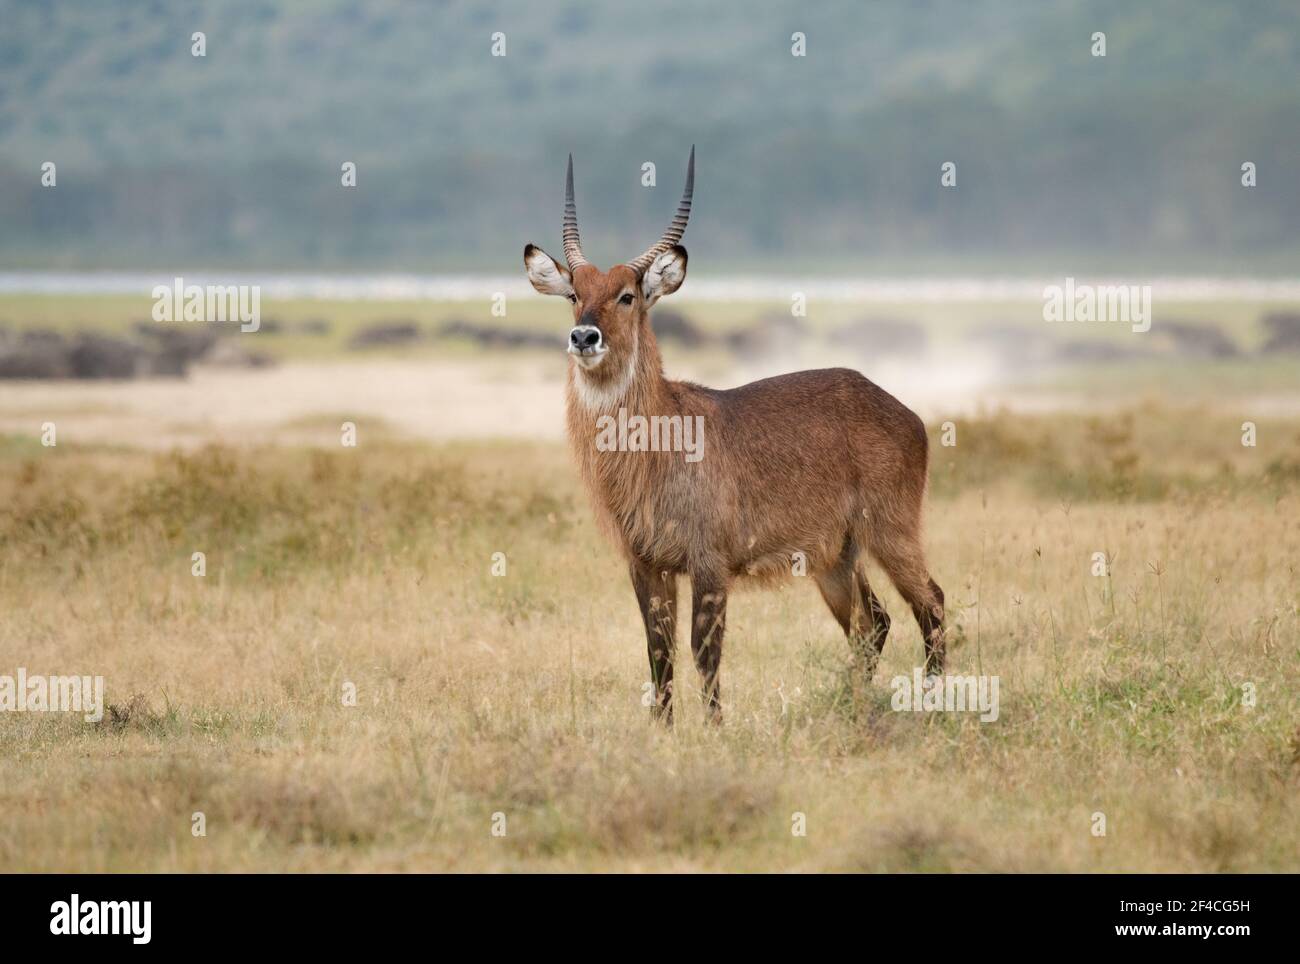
676,229
572,246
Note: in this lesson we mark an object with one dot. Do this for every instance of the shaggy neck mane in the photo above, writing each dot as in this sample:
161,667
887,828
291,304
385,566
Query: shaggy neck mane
619,481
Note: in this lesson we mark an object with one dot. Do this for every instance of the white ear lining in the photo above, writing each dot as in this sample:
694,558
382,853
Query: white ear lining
664,276
546,275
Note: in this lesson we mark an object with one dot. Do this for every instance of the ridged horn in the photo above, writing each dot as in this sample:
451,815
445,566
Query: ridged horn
676,229
572,246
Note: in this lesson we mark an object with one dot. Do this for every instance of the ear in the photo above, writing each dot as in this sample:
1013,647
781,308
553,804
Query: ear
665,274
547,275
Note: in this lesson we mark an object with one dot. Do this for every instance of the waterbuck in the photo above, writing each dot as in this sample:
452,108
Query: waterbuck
802,472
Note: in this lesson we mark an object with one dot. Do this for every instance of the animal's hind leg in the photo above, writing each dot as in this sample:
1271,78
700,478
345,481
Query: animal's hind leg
857,609
902,557
877,623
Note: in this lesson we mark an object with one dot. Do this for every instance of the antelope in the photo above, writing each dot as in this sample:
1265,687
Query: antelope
820,467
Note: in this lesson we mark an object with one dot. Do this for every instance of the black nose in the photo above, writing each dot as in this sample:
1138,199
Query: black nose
584,337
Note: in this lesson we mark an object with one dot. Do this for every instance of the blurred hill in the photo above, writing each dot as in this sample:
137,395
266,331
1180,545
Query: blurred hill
827,162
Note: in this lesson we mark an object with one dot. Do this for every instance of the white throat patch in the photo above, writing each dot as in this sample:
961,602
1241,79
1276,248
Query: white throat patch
598,396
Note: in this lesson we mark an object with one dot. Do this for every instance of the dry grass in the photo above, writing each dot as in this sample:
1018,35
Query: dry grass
521,694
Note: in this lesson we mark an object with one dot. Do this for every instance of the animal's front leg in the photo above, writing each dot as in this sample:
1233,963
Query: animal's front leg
656,594
708,626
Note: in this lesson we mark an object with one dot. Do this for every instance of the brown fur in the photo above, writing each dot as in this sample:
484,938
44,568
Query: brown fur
819,462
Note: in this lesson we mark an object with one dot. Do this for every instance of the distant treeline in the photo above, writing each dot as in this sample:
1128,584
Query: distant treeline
234,158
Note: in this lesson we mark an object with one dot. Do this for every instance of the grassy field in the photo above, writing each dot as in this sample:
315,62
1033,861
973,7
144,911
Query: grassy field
514,695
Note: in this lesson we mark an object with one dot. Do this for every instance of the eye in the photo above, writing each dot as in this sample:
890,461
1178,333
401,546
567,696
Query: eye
573,299
626,299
